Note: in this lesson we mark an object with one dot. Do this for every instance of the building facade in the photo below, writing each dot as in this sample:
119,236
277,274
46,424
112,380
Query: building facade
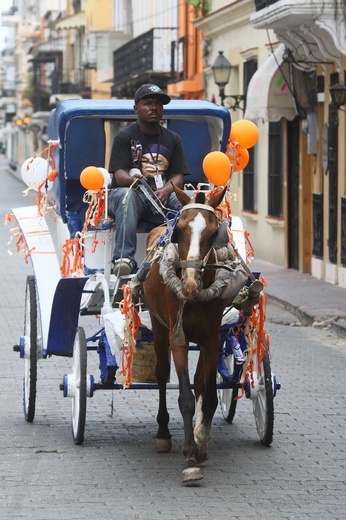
285,57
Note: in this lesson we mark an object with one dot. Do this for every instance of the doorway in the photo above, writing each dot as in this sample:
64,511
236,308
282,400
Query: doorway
293,193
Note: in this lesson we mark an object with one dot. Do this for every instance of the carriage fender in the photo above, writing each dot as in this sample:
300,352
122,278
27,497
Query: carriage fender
114,323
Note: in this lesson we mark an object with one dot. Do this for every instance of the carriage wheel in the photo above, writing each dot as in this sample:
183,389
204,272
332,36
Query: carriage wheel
30,354
227,396
263,404
79,398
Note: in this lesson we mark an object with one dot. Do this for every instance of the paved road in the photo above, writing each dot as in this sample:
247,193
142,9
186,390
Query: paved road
117,474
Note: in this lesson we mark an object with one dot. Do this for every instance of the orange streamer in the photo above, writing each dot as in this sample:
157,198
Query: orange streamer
131,328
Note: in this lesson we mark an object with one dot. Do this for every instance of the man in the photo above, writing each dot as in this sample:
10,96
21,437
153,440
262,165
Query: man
143,149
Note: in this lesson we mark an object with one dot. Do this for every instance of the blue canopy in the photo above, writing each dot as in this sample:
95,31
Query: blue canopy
79,126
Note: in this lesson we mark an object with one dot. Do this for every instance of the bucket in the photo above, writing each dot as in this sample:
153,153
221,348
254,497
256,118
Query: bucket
144,363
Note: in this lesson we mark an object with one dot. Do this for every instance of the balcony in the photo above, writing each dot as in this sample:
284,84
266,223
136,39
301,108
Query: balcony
98,50
146,59
187,89
314,30
10,17
8,57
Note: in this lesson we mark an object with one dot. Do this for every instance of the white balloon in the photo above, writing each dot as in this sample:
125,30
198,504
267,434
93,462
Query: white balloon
106,176
34,171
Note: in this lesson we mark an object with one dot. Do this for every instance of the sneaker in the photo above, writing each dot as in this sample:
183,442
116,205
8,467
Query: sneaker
123,267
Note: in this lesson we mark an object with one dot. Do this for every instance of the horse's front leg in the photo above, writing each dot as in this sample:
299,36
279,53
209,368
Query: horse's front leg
186,400
206,397
163,442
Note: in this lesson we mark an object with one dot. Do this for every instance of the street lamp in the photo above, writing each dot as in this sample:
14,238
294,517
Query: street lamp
338,94
222,71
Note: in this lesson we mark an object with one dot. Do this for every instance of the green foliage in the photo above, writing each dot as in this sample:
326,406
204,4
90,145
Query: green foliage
201,7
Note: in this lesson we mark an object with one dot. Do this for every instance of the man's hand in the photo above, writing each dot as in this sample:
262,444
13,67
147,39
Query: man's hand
125,178
163,193
135,172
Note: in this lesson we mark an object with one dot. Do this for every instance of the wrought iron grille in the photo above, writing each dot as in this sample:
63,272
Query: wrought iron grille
317,216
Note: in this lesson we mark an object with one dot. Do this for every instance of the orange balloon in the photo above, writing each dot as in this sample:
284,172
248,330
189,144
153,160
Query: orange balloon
241,160
52,175
92,178
216,168
245,133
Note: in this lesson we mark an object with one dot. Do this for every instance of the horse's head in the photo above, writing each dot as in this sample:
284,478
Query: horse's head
194,233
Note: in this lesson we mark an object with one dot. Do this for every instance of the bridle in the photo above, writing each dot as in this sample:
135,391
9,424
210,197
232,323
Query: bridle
196,263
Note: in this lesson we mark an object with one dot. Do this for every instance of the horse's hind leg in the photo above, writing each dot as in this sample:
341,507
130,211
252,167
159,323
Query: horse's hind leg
163,441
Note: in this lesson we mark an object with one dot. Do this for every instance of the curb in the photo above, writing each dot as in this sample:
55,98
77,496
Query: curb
307,320
339,328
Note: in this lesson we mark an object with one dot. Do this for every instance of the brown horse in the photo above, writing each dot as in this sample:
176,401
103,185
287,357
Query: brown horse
183,297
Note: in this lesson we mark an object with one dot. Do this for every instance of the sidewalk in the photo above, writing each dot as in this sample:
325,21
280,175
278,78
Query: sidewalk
315,302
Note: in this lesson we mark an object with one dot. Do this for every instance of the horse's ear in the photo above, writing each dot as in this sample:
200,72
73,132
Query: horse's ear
182,196
217,198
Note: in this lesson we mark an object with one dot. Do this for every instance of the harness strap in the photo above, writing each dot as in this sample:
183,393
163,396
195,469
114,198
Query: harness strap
157,316
194,263
196,205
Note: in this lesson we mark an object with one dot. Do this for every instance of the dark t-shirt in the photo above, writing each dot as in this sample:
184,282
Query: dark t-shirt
160,154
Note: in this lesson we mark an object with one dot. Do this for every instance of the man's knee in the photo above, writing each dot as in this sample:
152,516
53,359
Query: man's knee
116,198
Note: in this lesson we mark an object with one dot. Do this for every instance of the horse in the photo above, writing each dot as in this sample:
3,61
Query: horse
186,291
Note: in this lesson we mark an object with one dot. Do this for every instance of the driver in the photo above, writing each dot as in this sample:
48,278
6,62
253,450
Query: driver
143,149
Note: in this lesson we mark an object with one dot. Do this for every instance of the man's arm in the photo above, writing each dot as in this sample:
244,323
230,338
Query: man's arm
123,179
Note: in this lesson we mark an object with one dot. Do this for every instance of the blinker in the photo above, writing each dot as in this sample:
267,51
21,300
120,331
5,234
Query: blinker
222,238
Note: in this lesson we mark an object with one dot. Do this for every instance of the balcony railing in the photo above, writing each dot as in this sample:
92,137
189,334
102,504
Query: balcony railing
146,58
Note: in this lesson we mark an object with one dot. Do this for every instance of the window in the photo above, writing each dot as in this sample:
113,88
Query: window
275,202
249,191
249,202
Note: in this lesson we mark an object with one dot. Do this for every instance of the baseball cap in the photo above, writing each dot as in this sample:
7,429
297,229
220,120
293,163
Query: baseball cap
151,90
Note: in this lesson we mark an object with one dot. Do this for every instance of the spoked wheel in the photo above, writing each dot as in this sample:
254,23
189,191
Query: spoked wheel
263,404
79,395
30,349
227,396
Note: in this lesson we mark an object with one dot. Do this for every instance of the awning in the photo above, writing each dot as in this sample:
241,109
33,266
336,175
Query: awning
74,21
269,97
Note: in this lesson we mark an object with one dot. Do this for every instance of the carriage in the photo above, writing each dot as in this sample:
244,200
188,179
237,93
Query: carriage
72,275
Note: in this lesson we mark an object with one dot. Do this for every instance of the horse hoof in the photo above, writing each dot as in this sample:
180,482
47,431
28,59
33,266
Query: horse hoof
163,445
192,475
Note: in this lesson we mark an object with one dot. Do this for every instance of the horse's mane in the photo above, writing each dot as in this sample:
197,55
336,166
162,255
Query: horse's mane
200,197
